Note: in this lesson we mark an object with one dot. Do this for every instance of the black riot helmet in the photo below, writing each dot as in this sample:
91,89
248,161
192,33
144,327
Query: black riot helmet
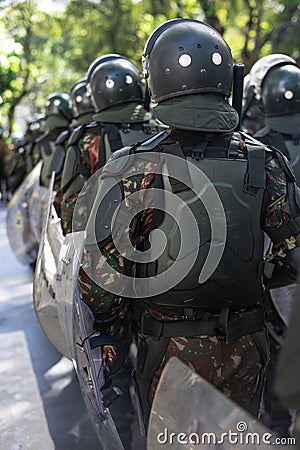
80,99
101,59
57,111
252,88
186,56
115,81
260,69
189,71
280,96
57,105
36,123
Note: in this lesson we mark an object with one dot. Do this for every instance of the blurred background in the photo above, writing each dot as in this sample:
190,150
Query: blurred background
47,45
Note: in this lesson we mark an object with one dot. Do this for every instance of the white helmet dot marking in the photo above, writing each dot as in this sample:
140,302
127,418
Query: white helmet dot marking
288,95
216,58
128,79
185,60
110,83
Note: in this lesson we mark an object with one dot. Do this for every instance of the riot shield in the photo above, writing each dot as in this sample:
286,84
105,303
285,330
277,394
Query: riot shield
38,206
66,282
84,343
23,241
45,298
283,298
189,413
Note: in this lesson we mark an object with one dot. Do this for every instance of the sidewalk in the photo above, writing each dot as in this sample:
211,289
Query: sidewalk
23,422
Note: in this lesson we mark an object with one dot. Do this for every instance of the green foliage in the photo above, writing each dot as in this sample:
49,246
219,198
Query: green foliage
46,51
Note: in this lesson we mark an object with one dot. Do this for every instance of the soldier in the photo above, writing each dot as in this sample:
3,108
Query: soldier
116,91
252,120
280,109
210,319
26,153
58,118
81,111
35,129
16,171
116,88
280,98
76,168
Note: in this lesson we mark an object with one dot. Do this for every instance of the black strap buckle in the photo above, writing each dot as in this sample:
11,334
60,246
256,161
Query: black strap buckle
222,329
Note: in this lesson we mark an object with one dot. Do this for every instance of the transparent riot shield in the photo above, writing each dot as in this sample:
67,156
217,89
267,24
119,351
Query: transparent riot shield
66,282
189,413
85,344
23,240
283,298
45,298
37,207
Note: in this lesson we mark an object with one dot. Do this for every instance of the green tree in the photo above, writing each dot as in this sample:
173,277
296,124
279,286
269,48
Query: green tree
43,52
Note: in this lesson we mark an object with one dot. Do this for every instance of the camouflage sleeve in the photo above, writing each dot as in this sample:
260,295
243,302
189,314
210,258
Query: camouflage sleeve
95,289
100,300
91,153
282,214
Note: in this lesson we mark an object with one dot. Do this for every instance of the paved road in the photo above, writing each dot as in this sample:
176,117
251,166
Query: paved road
41,406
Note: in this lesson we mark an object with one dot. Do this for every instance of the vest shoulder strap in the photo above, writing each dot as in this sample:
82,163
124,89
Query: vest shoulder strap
93,127
62,137
76,135
151,143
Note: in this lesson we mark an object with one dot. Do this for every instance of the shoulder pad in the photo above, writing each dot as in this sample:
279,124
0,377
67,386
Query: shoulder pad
285,164
120,159
76,135
40,138
152,142
272,151
62,137
93,127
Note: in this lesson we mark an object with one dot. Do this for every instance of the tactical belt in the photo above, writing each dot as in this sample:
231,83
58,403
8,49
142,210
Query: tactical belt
227,330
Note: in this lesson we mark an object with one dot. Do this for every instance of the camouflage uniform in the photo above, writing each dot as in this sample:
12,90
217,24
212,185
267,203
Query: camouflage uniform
16,171
185,100
281,131
234,367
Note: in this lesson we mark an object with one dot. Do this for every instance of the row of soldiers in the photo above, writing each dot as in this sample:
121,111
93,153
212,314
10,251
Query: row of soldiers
218,326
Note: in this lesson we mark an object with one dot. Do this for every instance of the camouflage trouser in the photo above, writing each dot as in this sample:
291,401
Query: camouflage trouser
232,367
235,368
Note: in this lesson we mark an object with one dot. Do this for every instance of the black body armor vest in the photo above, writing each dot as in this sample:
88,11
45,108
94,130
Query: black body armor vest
237,280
